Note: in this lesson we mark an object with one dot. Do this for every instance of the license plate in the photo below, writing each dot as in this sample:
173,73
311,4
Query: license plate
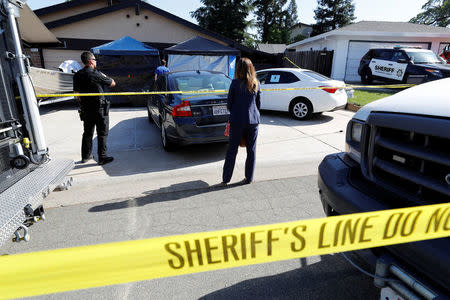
389,294
350,93
220,110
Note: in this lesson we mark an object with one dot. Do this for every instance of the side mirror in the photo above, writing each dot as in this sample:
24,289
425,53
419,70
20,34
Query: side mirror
402,61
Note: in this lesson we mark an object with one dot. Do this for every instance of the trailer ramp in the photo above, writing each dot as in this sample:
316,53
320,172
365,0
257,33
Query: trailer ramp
30,190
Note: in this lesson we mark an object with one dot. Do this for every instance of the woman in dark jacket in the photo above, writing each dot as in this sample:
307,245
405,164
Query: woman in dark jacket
244,102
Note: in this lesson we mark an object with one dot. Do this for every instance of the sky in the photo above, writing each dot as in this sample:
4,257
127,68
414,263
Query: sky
365,10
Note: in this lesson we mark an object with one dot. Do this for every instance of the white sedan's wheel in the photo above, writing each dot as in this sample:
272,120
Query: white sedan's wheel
300,109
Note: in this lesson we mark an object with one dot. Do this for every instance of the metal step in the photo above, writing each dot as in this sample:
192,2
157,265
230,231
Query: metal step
32,189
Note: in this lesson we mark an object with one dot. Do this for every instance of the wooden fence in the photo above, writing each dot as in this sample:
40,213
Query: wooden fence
319,61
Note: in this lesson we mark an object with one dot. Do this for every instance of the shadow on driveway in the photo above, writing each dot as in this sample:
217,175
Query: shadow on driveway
61,106
330,278
170,193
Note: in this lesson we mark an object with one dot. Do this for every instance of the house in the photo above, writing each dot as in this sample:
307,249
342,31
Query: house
34,34
271,48
84,24
351,42
300,30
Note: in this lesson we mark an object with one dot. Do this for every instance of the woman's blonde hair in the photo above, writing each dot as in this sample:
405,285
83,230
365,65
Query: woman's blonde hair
245,71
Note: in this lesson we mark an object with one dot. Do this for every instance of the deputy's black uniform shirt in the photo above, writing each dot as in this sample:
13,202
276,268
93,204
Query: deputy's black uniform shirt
88,80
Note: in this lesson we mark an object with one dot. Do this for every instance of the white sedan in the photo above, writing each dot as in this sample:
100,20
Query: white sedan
300,103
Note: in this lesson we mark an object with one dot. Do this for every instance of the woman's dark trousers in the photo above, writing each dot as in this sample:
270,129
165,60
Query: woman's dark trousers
250,131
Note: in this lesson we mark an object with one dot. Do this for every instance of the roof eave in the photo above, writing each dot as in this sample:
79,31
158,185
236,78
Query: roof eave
311,39
61,6
370,33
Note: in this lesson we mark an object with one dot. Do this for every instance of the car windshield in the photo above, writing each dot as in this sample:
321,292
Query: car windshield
423,57
200,82
316,76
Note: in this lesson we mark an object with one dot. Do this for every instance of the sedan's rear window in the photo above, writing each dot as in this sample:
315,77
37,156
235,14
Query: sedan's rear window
200,82
316,76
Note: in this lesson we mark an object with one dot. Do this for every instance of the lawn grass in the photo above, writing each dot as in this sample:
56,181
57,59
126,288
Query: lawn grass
361,98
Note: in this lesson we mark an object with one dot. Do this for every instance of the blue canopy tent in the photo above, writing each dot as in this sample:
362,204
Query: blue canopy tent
131,64
202,54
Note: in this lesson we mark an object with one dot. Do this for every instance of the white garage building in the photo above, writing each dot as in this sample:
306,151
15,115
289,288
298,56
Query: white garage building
351,42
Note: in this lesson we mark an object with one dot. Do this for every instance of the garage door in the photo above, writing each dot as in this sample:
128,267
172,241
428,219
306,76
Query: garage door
356,51
53,58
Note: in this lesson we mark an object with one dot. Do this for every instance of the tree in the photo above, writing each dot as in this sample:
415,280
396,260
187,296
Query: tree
436,12
291,14
291,18
332,14
273,21
227,17
298,38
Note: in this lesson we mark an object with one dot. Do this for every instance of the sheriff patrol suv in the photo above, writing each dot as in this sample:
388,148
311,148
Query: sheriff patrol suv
402,64
398,155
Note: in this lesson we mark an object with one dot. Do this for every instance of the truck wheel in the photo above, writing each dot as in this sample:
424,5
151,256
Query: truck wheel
300,109
167,145
366,76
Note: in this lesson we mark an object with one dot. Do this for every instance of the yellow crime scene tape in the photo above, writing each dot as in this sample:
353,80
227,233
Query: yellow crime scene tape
290,61
107,264
392,86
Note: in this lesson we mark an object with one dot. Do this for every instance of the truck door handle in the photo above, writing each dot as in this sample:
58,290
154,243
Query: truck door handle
390,64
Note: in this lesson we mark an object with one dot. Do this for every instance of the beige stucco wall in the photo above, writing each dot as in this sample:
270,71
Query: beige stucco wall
116,25
73,11
53,58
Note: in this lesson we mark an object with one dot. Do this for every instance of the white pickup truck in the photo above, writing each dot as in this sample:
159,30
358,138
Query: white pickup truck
397,155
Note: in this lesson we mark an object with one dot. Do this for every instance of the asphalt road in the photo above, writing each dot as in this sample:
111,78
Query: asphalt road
147,192
205,209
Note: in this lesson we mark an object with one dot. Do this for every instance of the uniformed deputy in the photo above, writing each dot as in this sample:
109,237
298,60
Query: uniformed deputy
93,110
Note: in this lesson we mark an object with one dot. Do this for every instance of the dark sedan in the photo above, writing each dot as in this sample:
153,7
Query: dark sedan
186,119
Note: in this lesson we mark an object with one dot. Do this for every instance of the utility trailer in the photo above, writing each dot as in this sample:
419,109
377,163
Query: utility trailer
27,172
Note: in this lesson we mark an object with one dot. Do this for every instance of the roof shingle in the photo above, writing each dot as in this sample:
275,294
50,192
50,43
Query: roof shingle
384,26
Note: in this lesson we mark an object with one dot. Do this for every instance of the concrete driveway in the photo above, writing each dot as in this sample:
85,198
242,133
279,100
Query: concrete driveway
286,148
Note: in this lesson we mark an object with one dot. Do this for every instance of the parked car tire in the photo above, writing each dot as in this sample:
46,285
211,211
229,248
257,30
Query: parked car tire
366,76
300,109
166,143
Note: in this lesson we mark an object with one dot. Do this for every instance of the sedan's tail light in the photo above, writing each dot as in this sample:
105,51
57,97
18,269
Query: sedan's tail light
330,90
182,110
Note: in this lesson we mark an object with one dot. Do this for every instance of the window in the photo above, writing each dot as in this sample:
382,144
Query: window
207,82
399,55
280,77
384,54
316,76
262,76
423,57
